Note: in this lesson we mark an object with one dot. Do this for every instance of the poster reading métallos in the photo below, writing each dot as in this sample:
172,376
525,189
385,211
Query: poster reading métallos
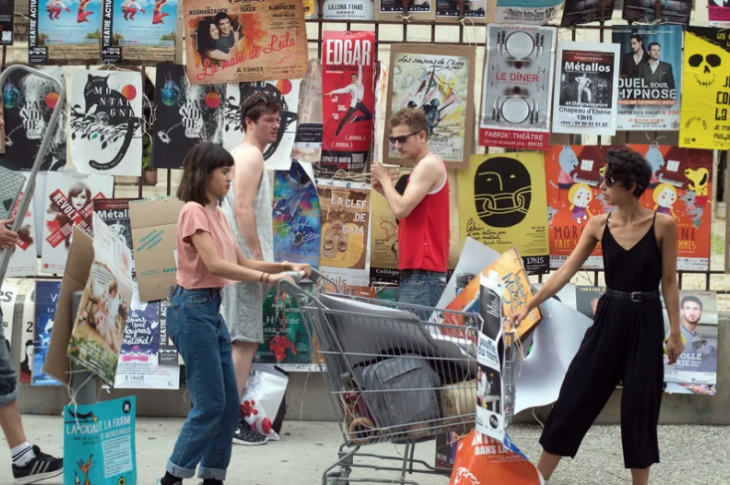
230,42
517,87
650,77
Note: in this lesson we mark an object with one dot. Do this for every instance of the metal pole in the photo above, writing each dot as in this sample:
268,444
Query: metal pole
83,384
28,193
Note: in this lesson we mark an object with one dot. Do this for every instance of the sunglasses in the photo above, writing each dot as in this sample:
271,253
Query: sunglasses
401,139
262,99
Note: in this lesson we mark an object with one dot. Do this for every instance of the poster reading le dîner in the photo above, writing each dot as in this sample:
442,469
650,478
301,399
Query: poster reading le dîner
228,42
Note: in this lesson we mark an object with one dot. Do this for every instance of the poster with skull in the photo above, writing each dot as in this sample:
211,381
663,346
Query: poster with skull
28,102
705,110
502,203
185,115
106,131
277,155
68,202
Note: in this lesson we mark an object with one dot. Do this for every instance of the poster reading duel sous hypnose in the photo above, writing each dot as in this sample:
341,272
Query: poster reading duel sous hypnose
517,87
705,112
139,30
586,89
650,77
348,101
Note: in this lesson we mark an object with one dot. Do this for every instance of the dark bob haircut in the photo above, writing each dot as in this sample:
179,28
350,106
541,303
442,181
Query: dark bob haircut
626,167
201,161
257,105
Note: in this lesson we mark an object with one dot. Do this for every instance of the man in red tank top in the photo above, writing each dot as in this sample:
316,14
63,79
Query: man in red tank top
422,209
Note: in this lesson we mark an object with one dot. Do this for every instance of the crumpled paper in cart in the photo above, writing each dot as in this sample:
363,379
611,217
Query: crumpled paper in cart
481,460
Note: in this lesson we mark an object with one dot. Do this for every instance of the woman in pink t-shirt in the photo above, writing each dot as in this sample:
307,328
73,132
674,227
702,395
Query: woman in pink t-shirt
207,260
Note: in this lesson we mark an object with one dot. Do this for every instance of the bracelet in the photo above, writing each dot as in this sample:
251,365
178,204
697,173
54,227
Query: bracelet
261,280
267,278
284,264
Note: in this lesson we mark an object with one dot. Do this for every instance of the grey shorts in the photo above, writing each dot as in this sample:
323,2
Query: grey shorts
8,379
243,310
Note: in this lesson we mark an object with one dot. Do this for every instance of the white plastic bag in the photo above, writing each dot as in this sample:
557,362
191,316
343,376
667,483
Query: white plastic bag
261,399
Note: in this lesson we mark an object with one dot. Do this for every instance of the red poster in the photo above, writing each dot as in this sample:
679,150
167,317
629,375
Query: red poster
348,100
681,186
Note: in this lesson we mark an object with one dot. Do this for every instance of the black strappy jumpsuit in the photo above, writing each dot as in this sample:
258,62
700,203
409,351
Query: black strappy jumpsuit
625,343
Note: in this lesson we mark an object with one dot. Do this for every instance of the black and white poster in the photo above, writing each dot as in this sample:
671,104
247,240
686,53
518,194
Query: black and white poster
662,11
115,213
7,21
586,91
106,134
185,115
28,102
278,154
579,12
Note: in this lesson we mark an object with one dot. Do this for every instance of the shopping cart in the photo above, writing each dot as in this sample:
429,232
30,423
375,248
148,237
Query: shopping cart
395,373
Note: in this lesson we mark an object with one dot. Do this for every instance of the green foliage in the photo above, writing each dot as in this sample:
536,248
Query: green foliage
94,35
146,153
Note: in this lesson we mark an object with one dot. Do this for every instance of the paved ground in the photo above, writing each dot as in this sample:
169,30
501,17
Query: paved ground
691,455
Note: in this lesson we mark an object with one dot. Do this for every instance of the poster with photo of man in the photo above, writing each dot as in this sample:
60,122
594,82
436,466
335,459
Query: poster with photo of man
650,77
696,369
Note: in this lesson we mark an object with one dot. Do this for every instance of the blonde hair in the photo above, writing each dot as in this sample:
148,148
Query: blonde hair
658,190
575,188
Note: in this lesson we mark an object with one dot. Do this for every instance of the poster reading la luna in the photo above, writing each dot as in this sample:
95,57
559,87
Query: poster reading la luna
650,77
139,30
229,42
502,204
705,121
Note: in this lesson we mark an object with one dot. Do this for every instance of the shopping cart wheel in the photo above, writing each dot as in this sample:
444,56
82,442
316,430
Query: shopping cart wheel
361,431
338,477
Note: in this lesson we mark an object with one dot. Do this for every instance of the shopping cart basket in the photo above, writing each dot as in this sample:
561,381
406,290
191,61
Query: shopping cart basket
395,373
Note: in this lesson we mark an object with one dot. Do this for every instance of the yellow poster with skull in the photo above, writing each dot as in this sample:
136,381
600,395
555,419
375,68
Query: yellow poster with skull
705,112
503,203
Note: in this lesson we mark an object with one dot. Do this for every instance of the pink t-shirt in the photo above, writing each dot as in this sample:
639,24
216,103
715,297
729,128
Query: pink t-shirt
192,273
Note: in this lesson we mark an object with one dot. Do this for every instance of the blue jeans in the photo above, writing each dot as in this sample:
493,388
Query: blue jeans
201,336
423,289
8,389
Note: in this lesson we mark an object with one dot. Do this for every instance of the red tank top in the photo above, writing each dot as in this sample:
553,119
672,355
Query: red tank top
423,236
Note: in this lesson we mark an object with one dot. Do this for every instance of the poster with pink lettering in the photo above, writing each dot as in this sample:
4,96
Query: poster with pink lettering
254,40
69,202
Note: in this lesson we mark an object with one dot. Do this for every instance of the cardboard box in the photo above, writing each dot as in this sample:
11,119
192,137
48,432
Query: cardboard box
78,267
154,238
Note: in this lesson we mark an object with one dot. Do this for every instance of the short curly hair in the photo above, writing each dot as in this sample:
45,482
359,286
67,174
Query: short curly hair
414,118
626,167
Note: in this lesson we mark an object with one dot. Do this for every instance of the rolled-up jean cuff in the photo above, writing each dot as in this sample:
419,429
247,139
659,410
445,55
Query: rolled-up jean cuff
211,473
8,398
179,471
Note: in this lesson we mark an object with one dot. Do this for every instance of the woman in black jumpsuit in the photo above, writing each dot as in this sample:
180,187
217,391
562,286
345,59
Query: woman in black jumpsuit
625,342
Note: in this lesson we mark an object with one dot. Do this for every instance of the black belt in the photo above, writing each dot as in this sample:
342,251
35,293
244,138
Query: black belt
407,273
636,296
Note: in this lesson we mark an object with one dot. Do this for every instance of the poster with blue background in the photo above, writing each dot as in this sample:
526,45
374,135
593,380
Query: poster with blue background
46,299
144,23
99,443
69,22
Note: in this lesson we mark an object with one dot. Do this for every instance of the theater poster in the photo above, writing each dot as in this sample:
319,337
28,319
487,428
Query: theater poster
345,250
68,202
537,12
579,12
650,11
681,186
719,13
142,31
58,34
383,237
185,115
573,197
517,87
450,10
277,155
586,88
439,80
106,128
502,204
348,99
348,9
705,89
650,77
46,300
229,42
7,21
27,334
24,261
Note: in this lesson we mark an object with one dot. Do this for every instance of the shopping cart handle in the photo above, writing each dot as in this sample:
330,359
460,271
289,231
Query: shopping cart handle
295,275
289,288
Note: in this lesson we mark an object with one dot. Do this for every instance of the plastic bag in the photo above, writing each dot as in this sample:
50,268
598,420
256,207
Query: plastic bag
481,460
262,399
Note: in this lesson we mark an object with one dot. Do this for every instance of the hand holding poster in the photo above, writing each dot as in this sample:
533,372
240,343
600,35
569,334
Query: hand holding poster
586,94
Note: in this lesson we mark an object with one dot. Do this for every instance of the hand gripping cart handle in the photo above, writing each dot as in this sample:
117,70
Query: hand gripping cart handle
50,129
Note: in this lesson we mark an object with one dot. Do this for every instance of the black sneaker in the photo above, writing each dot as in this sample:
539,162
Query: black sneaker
247,436
42,467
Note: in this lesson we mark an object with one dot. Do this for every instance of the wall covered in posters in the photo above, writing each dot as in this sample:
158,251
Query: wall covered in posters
139,30
650,77
68,202
277,155
185,115
62,31
248,41
46,300
517,87
348,102
502,204
28,102
439,80
106,132
705,90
